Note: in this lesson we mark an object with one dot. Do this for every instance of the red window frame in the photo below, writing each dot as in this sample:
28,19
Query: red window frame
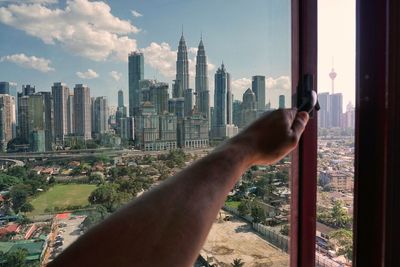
377,137
304,158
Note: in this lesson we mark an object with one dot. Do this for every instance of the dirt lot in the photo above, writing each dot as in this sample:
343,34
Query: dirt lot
233,239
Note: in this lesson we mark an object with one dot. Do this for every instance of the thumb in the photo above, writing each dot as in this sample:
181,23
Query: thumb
299,123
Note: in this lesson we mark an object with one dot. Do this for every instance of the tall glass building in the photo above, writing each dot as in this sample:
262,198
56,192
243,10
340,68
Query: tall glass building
136,73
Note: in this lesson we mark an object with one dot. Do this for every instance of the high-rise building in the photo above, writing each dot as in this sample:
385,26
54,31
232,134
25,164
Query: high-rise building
176,106
249,110
120,98
223,126
336,109
82,103
195,132
70,115
100,115
136,73
49,120
258,87
10,88
237,112
7,119
28,89
282,101
158,96
189,105
60,93
323,113
182,70
202,91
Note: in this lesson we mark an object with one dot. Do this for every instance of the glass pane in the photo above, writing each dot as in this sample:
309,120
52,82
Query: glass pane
116,96
336,119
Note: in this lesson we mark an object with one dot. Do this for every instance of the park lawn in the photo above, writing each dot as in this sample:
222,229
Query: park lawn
61,195
232,204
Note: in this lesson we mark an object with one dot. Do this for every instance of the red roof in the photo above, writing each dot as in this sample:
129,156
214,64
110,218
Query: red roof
10,228
63,216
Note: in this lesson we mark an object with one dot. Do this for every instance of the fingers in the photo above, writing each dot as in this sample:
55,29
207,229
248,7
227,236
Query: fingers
290,115
299,123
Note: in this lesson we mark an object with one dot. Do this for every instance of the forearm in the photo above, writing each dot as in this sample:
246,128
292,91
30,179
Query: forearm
166,226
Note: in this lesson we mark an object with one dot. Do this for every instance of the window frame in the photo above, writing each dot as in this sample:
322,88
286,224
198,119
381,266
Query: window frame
304,158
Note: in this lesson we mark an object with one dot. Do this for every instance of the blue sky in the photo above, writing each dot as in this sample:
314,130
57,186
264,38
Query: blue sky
82,41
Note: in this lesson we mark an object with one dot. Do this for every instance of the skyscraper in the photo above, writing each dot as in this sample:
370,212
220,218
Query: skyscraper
182,69
202,92
188,102
222,124
70,115
222,97
7,119
258,87
282,101
28,89
100,115
158,96
82,103
136,73
60,93
336,109
120,98
323,113
249,111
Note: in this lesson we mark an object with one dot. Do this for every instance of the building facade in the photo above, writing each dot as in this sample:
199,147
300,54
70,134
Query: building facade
182,70
82,112
7,119
258,87
136,73
202,91
100,115
60,93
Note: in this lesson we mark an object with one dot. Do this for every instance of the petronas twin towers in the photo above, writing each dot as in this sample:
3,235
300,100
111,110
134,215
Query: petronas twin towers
181,85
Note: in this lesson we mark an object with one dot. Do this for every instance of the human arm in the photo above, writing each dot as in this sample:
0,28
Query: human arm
168,225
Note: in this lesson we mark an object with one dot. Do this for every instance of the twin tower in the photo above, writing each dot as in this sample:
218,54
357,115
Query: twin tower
181,83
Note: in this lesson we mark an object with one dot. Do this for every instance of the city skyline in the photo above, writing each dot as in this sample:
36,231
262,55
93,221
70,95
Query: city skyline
51,58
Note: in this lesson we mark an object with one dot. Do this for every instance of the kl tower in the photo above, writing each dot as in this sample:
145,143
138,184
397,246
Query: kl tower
333,75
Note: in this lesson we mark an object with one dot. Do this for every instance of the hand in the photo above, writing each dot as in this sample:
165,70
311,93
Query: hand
271,137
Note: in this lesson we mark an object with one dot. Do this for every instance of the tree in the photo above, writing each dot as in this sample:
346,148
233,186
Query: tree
27,207
96,178
19,194
343,239
244,208
285,230
16,258
258,214
339,216
105,195
7,181
237,263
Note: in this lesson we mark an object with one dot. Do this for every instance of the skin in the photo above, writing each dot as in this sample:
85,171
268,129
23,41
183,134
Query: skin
168,225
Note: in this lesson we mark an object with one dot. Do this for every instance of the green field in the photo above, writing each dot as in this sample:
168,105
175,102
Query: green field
232,204
61,196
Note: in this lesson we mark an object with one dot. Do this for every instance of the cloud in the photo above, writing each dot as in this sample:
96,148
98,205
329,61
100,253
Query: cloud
85,28
162,58
29,1
239,86
136,14
89,74
32,62
115,75
280,83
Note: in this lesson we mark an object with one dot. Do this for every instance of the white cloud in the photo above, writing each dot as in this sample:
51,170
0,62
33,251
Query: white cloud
162,58
116,75
29,1
32,62
280,83
89,74
239,86
136,14
83,27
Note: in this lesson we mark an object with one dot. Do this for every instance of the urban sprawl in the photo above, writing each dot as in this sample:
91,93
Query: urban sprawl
69,160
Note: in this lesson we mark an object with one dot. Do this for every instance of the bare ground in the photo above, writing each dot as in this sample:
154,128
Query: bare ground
229,240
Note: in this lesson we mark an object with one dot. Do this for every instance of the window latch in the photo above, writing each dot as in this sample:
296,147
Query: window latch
307,97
